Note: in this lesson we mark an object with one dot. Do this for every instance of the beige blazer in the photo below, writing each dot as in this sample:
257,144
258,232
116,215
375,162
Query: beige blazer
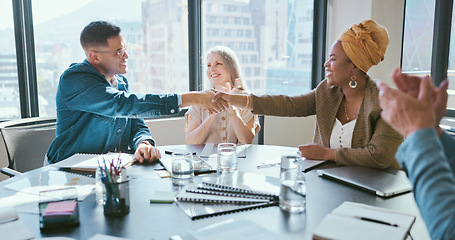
374,142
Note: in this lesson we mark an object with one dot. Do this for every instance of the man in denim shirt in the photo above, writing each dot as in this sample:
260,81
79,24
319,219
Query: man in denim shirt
427,154
96,113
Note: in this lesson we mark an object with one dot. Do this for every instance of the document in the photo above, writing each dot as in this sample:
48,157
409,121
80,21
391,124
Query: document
360,221
231,229
10,225
90,162
210,150
53,179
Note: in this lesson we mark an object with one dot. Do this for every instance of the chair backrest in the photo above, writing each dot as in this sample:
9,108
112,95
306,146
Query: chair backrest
26,141
259,138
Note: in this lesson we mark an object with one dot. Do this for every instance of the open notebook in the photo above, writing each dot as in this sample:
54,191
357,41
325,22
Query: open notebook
353,221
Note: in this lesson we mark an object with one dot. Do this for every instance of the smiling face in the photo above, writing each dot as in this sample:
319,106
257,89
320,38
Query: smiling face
217,72
338,67
113,59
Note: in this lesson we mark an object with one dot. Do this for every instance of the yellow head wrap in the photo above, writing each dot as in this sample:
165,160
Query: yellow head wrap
365,44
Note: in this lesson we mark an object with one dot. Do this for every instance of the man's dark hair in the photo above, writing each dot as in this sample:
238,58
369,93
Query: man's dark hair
96,33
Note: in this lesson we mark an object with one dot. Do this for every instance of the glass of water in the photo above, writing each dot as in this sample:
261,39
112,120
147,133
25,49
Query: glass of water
293,192
182,168
227,157
291,162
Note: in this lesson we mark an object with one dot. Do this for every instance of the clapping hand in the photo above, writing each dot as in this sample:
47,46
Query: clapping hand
407,109
411,85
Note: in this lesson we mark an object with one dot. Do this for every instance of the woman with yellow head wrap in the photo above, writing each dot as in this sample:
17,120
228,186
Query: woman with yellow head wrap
349,129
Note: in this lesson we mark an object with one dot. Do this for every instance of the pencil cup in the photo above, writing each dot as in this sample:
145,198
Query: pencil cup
117,202
100,189
293,192
182,168
227,157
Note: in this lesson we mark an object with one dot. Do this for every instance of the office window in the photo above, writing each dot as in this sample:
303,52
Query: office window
156,32
9,87
268,47
418,36
451,68
418,43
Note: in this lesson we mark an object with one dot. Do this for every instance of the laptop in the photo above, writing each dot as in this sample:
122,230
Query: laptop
381,183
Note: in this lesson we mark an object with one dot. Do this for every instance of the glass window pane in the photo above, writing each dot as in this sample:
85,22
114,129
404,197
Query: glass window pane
451,69
272,39
9,86
156,32
418,36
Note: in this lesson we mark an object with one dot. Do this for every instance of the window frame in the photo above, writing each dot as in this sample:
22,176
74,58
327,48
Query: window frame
441,43
26,61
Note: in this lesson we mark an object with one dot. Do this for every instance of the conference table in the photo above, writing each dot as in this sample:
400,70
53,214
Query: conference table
161,221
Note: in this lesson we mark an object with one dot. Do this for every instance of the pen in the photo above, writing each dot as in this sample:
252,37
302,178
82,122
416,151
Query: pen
132,162
170,152
265,165
377,221
199,172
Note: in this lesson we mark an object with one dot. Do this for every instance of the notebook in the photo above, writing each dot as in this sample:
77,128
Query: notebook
228,193
379,182
360,221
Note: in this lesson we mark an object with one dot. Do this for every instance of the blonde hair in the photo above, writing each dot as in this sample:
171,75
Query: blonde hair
232,63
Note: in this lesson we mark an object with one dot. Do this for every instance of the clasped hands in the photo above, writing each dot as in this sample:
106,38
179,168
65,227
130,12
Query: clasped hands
221,99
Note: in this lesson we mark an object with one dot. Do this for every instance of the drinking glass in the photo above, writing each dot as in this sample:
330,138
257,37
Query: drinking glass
227,157
182,168
291,161
293,192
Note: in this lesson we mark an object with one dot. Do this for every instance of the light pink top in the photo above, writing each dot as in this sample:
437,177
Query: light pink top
221,131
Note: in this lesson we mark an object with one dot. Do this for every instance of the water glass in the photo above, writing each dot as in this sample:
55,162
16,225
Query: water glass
117,201
100,189
291,162
293,192
182,168
227,157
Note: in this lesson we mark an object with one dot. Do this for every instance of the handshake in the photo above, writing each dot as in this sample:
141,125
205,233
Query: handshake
216,101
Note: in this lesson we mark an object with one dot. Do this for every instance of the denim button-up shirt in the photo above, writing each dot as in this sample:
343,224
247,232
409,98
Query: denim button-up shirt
94,117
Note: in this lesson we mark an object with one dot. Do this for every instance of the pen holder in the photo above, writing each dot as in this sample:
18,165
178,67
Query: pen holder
117,202
58,207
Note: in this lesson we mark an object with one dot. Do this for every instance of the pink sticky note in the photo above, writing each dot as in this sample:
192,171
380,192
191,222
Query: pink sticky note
60,207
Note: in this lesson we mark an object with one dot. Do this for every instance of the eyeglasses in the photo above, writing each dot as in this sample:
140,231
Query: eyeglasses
119,53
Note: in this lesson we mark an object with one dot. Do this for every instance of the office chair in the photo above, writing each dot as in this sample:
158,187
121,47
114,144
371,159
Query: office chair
259,138
26,143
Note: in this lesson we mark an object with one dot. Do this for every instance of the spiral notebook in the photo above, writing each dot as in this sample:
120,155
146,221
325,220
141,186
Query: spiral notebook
228,193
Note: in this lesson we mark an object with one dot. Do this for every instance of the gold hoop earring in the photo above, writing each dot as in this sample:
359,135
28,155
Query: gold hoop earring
353,82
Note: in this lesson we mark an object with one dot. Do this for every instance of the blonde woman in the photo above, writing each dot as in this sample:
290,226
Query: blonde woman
234,125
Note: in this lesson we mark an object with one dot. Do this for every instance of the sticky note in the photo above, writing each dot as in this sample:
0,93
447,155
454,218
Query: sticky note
163,197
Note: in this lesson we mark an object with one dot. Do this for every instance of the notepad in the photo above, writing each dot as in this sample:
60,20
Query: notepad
360,221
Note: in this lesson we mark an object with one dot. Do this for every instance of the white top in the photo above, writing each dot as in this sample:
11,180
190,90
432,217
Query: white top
221,131
342,134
